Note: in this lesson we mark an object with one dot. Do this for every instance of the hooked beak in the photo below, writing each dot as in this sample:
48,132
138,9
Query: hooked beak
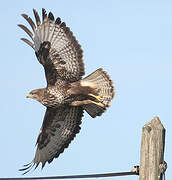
29,96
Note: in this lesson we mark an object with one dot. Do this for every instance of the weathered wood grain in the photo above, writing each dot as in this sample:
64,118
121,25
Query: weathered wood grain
152,150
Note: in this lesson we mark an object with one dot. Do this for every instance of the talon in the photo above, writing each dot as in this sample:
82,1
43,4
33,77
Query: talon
99,98
98,104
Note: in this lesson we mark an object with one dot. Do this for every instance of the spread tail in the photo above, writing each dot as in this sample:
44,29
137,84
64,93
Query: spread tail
104,91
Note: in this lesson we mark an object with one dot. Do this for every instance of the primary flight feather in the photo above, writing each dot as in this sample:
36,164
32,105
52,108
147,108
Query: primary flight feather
67,94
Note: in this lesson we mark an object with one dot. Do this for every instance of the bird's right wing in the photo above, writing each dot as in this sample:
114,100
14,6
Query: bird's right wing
56,48
58,129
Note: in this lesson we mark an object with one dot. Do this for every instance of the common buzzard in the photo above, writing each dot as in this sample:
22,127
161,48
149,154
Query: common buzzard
67,94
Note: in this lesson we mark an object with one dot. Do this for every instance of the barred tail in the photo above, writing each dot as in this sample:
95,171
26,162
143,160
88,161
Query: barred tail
103,86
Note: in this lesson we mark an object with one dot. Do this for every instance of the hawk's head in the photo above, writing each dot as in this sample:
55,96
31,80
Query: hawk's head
37,94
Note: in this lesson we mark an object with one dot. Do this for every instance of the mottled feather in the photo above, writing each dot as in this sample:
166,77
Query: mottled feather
63,48
60,126
66,94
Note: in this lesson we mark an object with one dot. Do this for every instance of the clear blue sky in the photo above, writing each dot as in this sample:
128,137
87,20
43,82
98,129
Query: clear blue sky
132,40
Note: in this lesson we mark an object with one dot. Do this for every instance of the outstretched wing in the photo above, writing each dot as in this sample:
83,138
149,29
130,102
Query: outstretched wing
55,47
58,129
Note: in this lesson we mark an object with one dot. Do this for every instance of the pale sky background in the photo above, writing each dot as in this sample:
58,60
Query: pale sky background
132,40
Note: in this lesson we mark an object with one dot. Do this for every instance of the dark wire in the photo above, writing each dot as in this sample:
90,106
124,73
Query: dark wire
77,176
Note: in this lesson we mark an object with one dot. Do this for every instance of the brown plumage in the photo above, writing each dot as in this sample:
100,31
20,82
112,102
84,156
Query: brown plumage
67,95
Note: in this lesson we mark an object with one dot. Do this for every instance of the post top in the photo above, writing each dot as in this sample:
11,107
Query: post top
154,123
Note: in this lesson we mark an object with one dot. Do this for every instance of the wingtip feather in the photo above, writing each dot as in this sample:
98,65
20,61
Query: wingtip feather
37,18
27,167
51,16
28,42
30,21
44,14
26,30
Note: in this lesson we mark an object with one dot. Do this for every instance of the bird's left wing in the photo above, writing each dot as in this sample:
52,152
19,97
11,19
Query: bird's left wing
55,47
59,127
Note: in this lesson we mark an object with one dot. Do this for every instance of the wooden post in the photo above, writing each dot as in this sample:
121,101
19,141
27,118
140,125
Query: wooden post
152,150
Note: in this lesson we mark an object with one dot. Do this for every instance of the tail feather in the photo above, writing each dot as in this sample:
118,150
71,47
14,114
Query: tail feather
93,110
103,85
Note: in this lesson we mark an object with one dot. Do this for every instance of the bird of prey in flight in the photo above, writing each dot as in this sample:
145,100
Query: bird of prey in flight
67,94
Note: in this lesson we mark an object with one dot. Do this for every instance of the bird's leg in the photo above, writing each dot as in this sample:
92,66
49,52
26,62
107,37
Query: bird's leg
99,98
88,101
